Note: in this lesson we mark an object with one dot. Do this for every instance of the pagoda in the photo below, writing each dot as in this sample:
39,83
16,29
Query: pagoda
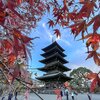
54,66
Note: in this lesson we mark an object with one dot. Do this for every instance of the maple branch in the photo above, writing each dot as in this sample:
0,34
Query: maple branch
6,77
21,81
29,88
12,74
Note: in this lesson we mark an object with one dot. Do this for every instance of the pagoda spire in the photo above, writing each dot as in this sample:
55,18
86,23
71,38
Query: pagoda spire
53,39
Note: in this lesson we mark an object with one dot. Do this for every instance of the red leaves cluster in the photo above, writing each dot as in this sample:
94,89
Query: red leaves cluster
93,40
15,43
88,8
96,23
95,55
80,18
95,80
77,28
51,23
57,32
16,19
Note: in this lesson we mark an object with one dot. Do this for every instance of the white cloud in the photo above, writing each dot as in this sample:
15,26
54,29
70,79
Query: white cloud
66,42
47,31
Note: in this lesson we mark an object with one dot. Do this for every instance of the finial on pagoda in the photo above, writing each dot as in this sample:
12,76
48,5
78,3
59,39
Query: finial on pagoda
53,40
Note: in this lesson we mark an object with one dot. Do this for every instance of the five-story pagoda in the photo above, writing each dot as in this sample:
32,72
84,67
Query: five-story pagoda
54,66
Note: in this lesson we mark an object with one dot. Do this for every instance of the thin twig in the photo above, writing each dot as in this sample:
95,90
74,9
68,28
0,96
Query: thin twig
22,82
5,76
29,88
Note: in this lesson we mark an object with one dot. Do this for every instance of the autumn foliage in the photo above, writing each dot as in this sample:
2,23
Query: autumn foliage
95,80
83,19
14,43
18,17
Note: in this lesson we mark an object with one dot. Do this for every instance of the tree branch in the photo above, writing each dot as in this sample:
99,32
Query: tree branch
22,82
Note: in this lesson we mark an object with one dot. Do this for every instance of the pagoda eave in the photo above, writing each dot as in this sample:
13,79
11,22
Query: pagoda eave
42,69
57,56
52,45
54,49
45,55
50,68
51,77
45,61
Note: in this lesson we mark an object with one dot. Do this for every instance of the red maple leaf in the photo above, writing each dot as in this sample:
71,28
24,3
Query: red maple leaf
11,59
95,55
87,8
91,75
72,15
95,80
93,40
96,23
78,28
51,23
93,85
64,23
59,17
57,33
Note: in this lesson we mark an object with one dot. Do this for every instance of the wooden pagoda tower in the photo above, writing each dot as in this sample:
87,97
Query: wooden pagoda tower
54,66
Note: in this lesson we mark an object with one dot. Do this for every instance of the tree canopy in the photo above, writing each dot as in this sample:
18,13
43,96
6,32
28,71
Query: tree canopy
95,80
84,79
79,81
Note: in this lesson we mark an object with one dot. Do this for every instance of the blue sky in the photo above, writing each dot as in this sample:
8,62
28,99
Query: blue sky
75,50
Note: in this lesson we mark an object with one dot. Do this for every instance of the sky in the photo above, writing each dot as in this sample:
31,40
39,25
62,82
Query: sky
75,50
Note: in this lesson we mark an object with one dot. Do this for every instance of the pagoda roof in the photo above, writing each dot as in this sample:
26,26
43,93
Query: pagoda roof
58,76
52,50
53,45
56,55
51,66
